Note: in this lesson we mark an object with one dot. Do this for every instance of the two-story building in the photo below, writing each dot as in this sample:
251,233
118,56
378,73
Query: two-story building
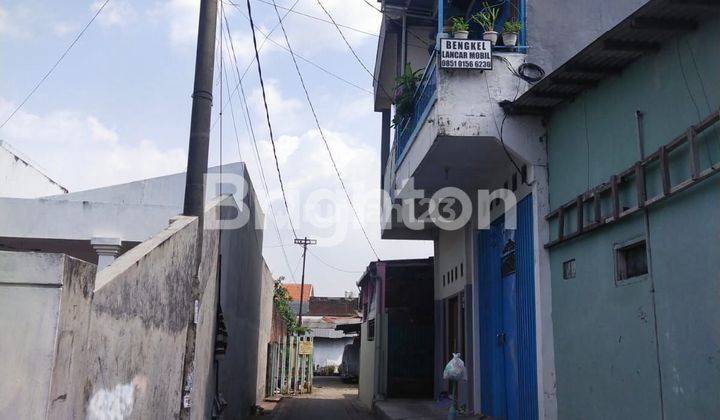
634,156
483,154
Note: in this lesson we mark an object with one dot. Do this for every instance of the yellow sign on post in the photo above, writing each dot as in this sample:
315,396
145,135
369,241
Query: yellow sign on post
306,347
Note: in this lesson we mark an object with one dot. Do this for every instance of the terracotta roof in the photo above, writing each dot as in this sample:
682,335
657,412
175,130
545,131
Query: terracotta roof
294,291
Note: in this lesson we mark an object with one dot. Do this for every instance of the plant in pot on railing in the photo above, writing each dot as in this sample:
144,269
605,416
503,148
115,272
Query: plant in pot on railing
486,19
405,87
511,29
460,28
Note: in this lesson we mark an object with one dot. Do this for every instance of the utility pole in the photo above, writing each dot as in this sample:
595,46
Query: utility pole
304,242
201,112
194,204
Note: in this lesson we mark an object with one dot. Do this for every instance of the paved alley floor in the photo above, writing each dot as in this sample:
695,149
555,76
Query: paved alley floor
331,399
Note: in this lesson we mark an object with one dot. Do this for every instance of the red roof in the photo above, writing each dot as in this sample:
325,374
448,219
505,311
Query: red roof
294,291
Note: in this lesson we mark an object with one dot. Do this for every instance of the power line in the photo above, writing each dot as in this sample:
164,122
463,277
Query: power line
251,132
372,5
352,50
57,63
312,63
425,44
325,263
262,44
267,117
322,134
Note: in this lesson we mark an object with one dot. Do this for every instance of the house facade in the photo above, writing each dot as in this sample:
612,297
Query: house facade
397,335
633,196
488,133
323,317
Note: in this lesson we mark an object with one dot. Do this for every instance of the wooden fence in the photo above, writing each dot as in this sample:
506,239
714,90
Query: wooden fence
290,366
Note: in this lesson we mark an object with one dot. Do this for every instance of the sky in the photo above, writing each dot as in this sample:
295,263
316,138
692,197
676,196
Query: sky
117,109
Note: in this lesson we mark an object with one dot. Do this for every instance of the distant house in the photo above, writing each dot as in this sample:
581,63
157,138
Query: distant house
398,345
323,316
294,292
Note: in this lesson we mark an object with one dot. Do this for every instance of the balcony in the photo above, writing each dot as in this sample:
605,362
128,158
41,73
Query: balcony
453,136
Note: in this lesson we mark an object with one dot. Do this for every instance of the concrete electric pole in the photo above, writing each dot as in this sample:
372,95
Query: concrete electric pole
201,112
194,204
304,242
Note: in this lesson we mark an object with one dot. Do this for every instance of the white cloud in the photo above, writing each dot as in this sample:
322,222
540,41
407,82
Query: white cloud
115,13
64,28
308,36
313,37
287,115
6,26
182,19
80,151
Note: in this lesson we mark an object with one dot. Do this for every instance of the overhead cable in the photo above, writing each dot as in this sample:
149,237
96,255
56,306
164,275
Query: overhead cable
352,50
57,63
251,132
322,134
267,117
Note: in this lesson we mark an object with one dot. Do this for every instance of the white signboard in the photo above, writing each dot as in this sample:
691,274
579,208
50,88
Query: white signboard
465,54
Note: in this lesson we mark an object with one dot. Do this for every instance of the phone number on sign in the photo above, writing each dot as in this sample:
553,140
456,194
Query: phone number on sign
466,64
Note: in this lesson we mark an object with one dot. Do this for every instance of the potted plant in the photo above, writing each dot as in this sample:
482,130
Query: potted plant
486,19
405,88
511,28
460,28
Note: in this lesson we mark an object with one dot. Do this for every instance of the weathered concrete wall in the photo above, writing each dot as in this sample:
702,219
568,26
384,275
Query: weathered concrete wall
554,38
203,382
141,310
67,398
646,349
19,178
265,329
240,297
44,308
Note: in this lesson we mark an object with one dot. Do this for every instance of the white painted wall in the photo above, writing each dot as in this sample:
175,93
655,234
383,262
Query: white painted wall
366,380
450,255
329,351
19,178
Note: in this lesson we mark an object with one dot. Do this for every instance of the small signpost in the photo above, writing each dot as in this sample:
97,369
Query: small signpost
465,54
306,347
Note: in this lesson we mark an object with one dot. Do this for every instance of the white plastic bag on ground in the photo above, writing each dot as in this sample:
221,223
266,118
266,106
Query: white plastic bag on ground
455,369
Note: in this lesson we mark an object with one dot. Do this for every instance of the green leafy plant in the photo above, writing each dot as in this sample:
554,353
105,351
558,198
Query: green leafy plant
281,300
405,87
458,24
512,26
487,17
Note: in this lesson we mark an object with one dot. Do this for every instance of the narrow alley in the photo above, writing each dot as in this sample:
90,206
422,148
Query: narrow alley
330,399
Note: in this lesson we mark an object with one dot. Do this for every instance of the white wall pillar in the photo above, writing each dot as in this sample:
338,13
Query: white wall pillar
107,250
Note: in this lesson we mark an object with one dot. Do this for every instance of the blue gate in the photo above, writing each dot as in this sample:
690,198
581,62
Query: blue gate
506,296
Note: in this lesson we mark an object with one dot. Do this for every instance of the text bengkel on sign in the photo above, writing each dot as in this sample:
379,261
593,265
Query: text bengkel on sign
465,54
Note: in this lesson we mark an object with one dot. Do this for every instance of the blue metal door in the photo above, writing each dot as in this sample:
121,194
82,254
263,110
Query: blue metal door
508,336
507,318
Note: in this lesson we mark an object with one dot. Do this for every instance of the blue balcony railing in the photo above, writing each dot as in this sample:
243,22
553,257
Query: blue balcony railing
425,96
